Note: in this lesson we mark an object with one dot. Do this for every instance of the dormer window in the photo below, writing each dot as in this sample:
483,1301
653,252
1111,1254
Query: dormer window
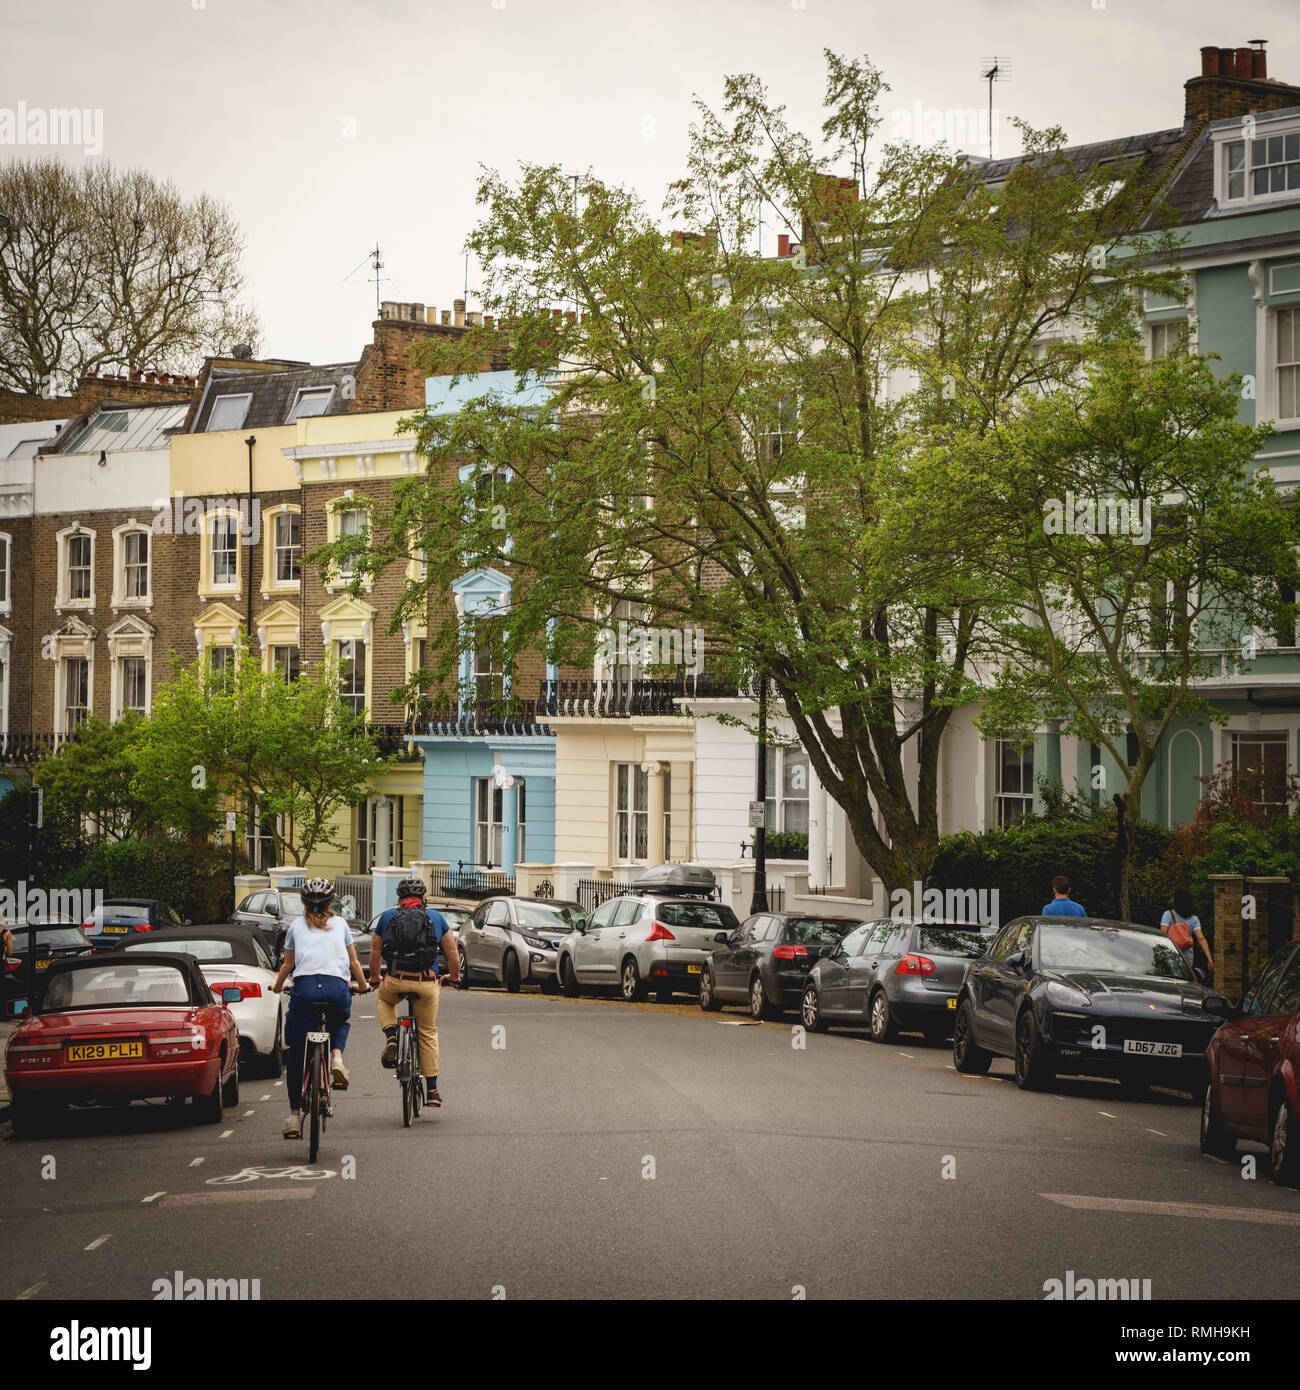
311,400
1263,169
229,412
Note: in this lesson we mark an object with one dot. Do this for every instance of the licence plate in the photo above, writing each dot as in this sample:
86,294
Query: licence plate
105,1051
693,969
117,931
952,1003
41,964
1153,1049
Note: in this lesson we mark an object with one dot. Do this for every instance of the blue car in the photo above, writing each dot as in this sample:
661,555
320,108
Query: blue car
122,919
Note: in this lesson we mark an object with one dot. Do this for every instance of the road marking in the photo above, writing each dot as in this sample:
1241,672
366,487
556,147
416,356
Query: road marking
242,1194
225,1134
98,1241
264,1097
736,1022
194,1163
145,1200
27,1293
1107,1114
279,1083
247,1113
1263,1216
1160,1132
908,1055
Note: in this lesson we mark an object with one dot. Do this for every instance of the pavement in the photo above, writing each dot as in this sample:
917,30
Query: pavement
5,1030
591,1149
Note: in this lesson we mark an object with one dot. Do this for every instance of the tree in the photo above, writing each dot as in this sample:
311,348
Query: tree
783,414
103,267
291,747
93,775
1149,548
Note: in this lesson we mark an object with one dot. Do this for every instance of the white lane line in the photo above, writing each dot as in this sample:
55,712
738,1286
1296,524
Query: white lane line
194,1162
1160,1132
279,1083
264,1097
144,1201
247,1113
98,1241
1200,1211
27,1293
1107,1114
225,1133
908,1055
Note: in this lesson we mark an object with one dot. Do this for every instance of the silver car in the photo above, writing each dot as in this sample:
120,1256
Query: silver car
513,941
644,942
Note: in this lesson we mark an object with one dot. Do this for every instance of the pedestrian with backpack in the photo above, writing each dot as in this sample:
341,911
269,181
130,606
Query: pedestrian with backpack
408,938
1181,925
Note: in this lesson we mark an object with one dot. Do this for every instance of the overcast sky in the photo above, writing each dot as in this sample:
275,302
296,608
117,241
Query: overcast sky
330,126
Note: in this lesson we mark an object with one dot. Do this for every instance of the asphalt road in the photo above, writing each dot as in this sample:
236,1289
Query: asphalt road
600,1150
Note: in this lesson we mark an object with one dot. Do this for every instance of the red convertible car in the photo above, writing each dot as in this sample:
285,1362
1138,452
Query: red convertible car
112,1031
1254,1060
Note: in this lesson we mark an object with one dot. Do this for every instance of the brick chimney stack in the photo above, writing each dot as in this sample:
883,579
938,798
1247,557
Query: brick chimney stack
1235,82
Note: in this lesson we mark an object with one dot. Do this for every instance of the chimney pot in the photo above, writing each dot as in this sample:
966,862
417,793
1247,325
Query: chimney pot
783,244
431,315
489,322
458,308
417,312
446,318
1227,62
1259,61
1209,62
1245,62
472,318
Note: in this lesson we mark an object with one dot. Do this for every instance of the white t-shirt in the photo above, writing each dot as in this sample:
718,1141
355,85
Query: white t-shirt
319,950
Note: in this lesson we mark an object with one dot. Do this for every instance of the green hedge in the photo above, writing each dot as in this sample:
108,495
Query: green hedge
193,879
787,844
1021,861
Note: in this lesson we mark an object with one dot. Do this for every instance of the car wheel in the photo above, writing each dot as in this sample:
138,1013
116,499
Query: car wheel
211,1108
883,1027
1284,1145
967,1055
275,1058
1215,1139
630,982
230,1091
510,973
810,1011
1032,1072
709,1000
464,965
569,979
759,1007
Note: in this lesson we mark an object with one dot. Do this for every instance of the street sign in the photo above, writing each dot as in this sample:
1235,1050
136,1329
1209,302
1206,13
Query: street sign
757,817
230,820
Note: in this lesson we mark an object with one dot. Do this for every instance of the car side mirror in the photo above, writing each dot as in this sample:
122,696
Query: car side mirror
1017,960
721,938
1220,1007
273,909
1201,975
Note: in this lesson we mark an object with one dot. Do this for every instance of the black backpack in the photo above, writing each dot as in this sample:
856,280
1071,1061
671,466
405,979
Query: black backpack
410,942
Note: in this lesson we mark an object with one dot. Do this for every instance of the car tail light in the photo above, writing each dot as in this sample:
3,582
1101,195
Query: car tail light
659,932
248,989
140,926
914,965
789,952
12,965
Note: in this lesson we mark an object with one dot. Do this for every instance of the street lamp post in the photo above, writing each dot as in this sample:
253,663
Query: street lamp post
759,904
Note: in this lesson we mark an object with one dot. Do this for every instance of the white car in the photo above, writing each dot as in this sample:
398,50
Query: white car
233,958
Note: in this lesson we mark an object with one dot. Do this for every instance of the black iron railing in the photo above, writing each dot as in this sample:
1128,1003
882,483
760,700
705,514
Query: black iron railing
594,891
461,882
20,750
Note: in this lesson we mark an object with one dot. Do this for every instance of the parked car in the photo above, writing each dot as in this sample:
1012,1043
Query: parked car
53,941
513,941
232,958
639,942
1086,996
893,975
1253,1090
117,919
270,910
766,960
106,1031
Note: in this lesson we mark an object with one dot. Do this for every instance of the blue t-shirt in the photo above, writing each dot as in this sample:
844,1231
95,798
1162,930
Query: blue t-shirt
440,925
1064,907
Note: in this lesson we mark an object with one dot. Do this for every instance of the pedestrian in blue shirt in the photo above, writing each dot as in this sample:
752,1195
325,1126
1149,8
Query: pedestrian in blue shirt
1062,904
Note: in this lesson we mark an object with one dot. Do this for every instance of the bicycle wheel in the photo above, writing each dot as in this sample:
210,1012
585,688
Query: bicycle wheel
315,1102
417,1075
404,1075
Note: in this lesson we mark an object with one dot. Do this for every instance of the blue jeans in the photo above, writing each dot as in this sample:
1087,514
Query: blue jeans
310,991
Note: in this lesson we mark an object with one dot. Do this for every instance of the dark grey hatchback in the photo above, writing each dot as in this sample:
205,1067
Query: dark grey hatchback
766,960
893,976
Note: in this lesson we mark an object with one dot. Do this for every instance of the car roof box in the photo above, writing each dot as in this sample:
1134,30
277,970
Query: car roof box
677,878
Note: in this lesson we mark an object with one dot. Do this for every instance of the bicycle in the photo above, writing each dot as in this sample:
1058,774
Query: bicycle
316,1104
409,1074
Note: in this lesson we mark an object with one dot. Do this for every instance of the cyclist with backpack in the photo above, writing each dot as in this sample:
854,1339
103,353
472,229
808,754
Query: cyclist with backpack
408,937
1183,928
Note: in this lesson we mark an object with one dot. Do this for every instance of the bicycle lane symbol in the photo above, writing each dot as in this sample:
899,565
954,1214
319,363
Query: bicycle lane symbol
295,1173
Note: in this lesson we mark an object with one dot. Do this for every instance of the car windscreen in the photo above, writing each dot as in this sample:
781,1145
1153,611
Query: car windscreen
201,949
48,938
291,905
1111,950
951,941
815,931
552,918
121,986
717,915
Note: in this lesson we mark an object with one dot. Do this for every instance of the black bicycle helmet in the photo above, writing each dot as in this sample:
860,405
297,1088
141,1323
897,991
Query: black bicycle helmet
410,888
317,894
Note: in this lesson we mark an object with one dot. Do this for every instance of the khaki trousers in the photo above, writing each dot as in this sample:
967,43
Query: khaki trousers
424,1009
